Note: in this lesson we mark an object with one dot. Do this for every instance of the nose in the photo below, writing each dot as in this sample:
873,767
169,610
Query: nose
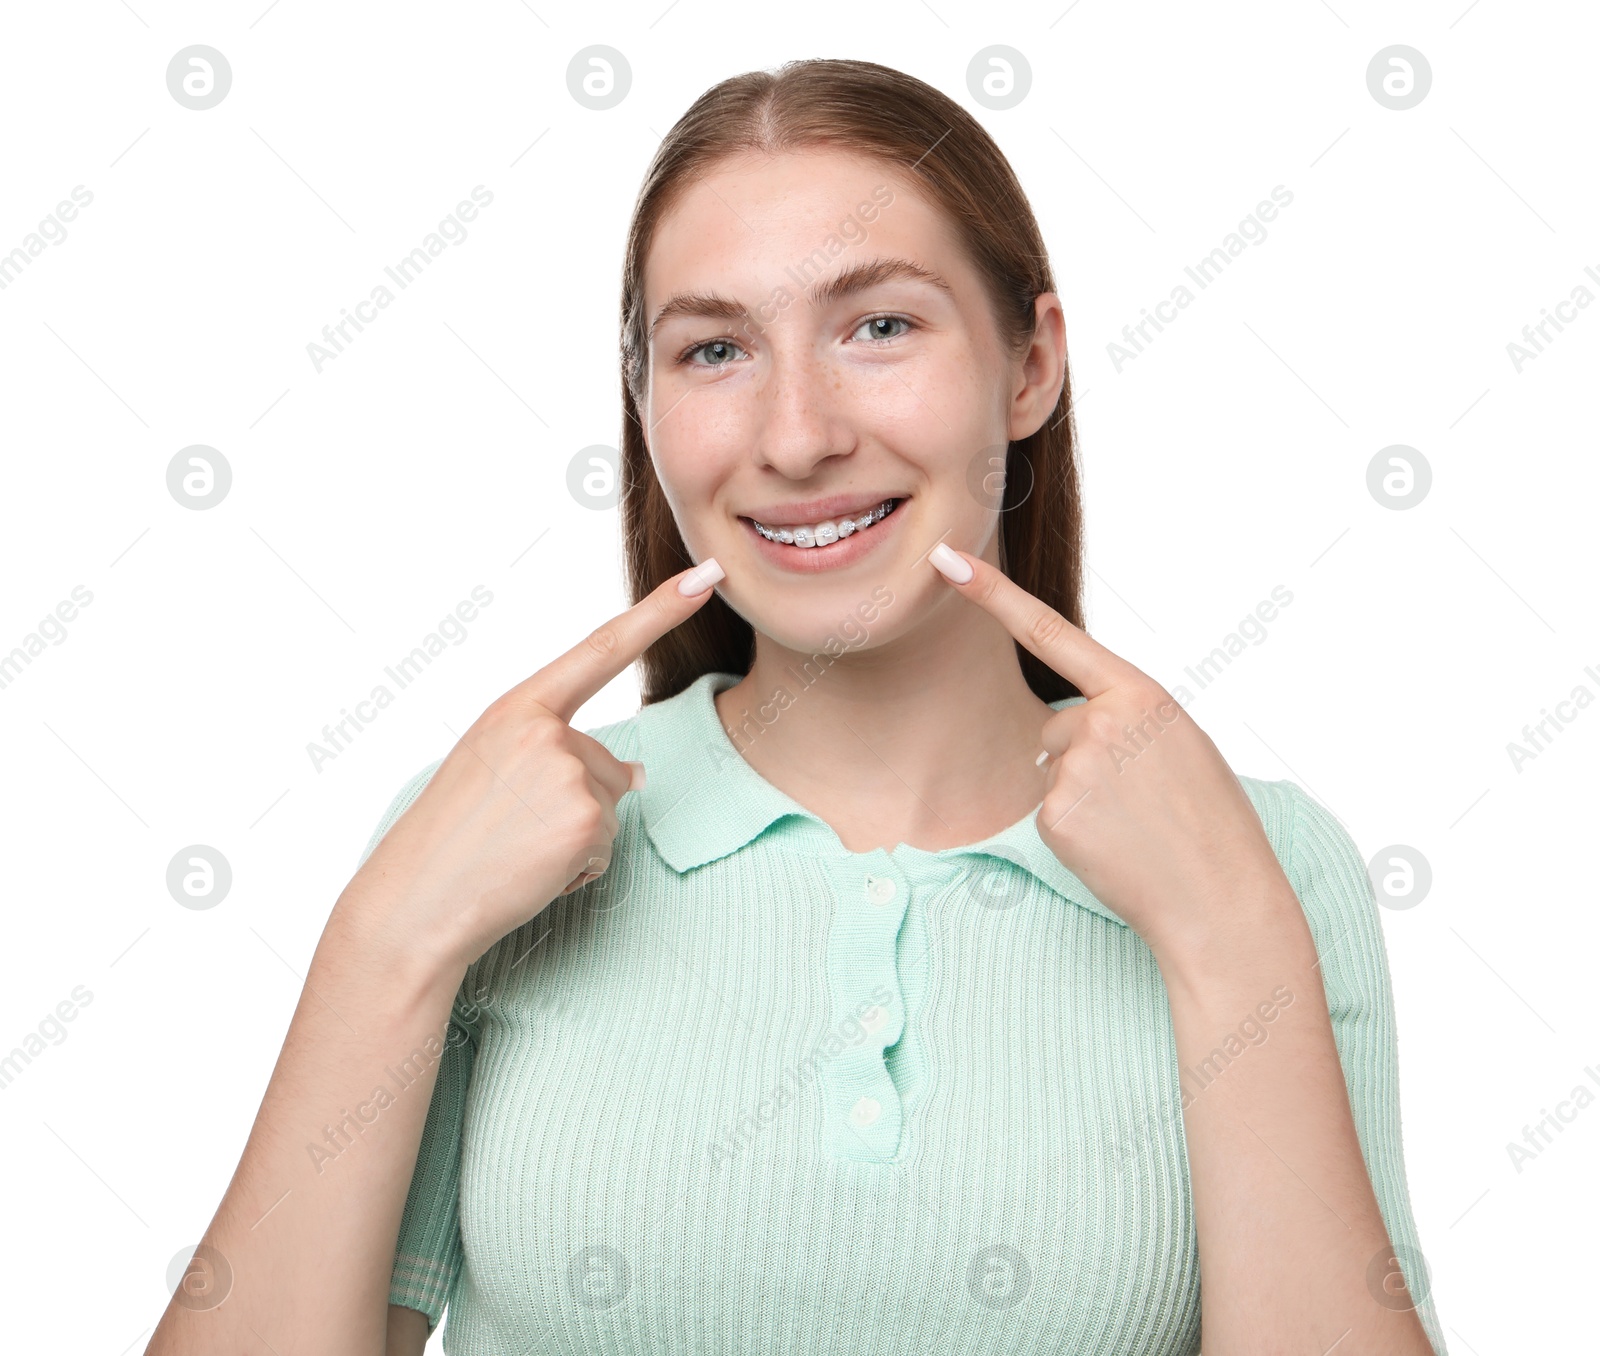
803,417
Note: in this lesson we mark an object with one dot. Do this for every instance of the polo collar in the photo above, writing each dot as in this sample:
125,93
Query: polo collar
703,800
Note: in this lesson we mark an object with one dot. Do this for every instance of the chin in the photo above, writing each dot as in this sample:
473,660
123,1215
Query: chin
833,619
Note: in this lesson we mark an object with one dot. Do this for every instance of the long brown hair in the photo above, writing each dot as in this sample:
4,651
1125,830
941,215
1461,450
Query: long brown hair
873,110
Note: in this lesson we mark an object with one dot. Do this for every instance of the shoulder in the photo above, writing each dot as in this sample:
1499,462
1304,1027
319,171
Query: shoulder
1330,877
1308,839
1317,853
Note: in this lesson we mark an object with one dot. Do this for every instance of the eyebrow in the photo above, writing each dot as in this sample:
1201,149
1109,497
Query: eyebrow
856,278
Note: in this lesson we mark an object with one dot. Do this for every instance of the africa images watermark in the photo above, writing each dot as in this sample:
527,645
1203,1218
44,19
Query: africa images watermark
452,228
338,736
51,627
1539,1136
850,232
1124,1140
1205,271
1537,337
50,1029
346,1132
865,1021
1252,627
1251,1031
52,230
1537,737
851,634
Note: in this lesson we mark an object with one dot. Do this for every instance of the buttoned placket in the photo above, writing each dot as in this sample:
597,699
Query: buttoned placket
862,1108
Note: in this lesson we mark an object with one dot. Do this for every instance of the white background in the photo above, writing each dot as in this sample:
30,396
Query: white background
431,456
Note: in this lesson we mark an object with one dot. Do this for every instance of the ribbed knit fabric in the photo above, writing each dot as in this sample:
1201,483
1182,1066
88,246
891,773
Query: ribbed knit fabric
751,1093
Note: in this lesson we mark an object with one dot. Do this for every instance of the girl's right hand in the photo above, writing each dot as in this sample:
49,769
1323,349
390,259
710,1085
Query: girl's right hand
523,809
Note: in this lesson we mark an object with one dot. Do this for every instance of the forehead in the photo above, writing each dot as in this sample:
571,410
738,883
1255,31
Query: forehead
756,222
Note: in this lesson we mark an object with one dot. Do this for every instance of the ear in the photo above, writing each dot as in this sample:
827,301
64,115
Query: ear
1042,371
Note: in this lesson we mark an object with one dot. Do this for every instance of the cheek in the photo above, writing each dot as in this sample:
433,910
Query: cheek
685,479
693,468
697,447
945,390
944,421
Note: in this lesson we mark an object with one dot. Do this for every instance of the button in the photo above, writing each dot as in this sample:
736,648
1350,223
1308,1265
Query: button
881,889
865,1111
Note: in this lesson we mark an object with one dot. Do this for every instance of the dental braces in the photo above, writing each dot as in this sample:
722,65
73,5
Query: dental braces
826,533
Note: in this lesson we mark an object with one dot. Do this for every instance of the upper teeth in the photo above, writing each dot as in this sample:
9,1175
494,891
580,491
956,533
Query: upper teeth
827,531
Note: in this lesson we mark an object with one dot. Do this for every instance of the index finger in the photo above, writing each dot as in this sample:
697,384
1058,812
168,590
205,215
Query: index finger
568,681
1037,626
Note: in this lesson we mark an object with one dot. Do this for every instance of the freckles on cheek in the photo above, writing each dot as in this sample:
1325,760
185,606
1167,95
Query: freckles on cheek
726,408
905,399
883,388
705,428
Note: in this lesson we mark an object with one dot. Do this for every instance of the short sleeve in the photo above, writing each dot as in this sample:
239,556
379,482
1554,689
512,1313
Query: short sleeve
427,1256
1330,877
428,1251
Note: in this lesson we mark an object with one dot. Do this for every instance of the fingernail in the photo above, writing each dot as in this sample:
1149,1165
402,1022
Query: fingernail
636,781
1040,760
702,577
949,564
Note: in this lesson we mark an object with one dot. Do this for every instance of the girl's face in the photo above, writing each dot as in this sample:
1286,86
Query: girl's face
821,345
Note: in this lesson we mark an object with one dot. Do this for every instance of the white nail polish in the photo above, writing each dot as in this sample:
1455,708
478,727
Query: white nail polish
949,564
702,577
1043,754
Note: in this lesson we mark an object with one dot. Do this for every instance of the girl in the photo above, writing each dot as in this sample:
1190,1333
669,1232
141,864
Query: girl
910,973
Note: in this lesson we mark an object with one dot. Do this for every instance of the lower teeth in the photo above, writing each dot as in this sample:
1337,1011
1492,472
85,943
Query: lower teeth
845,527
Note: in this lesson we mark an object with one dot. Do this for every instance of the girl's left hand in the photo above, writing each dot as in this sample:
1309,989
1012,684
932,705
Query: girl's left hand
1139,805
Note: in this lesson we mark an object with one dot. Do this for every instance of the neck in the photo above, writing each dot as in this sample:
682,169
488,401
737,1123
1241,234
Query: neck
928,741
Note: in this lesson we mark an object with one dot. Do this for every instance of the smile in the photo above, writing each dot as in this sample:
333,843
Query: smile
829,530
829,544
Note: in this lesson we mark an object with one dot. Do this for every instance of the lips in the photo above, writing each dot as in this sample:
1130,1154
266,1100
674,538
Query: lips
829,530
831,544
807,513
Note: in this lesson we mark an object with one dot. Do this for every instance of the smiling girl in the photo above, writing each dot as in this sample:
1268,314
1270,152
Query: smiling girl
910,973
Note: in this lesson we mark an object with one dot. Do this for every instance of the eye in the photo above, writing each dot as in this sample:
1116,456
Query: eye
877,320
725,346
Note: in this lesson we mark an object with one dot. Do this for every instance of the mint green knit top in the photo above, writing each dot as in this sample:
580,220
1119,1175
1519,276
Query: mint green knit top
751,1092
